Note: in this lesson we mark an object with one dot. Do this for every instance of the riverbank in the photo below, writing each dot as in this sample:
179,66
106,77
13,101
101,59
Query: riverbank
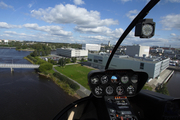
25,49
175,68
29,60
63,85
162,79
7,47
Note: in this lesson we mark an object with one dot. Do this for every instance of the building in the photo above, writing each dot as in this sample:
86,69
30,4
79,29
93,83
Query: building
160,50
91,47
71,52
109,44
150,65
137,50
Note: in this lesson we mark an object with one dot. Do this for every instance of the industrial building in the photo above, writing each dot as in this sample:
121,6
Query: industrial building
150,65
137,50
91,47
69,52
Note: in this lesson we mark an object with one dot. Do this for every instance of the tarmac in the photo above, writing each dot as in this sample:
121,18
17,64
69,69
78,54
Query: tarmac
163,78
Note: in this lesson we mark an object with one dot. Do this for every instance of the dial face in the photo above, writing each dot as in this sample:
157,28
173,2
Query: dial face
94,80
119,90
98,90
124,79
114,79
130,90
134,78
104,79
109,90
147,29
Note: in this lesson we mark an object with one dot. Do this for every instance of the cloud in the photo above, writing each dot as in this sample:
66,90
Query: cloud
170,21
10,32
125,1
30,5
173,1
53,30
8,26
173,34
132,14
64,14
78,2
35,37
4,5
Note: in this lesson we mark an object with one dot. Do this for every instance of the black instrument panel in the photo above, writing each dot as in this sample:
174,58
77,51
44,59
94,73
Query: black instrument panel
116,82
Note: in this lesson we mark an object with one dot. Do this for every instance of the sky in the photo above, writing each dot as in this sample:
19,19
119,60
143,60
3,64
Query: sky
87,21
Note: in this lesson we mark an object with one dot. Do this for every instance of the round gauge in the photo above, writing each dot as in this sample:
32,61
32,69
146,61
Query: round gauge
130,90
104,79
147,29
94,80
119,90
124,79
134,78
98,90
114,79
109,90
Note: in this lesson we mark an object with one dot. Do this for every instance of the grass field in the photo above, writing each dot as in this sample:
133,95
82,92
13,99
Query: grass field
77,73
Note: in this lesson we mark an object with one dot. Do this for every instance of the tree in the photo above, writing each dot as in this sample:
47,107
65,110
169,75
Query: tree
38,53
34,53
82,59
45,66
43,54
74,59
162,89
62,62
68,60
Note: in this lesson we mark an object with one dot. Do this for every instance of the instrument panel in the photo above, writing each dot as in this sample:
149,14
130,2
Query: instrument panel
116,82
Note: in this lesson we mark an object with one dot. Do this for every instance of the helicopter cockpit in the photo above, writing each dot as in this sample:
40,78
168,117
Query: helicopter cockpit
116,93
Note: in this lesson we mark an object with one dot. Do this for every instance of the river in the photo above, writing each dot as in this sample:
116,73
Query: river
24,95
173,85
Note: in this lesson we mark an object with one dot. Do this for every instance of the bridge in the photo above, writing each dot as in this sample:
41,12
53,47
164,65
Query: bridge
11,66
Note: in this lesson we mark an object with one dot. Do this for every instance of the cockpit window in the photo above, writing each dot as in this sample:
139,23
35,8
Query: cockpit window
48,50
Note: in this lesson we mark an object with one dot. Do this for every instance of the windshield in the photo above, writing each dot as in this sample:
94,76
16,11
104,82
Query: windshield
47,49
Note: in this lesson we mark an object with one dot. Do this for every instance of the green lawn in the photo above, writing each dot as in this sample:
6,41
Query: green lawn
51,71
76,72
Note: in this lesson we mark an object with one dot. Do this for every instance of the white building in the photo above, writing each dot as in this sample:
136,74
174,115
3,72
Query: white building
152,66
91,47
71,52
137,50
160,50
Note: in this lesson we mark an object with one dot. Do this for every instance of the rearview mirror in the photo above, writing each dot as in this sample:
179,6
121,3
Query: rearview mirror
145,28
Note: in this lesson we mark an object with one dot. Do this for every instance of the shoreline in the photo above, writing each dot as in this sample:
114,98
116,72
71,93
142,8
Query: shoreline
7,47
175,68
50,76
24,50
60,84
